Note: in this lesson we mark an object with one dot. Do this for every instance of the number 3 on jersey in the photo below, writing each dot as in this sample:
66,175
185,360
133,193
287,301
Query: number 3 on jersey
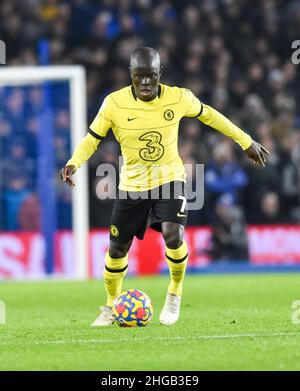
155,149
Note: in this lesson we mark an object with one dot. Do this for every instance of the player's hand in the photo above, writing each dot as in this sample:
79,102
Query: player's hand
65,174
257,153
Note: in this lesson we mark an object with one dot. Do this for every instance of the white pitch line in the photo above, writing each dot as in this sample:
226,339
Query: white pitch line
133,339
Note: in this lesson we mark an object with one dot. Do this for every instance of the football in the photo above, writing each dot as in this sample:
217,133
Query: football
132,308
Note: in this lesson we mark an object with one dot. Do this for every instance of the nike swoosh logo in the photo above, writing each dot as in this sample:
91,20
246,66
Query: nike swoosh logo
131,119
180,215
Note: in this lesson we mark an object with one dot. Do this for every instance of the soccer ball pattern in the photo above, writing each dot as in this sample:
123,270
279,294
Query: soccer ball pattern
132,308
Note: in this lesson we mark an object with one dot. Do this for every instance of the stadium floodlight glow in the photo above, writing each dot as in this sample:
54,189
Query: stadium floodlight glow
30,75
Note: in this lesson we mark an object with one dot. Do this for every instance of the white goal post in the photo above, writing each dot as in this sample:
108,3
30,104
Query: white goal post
21,75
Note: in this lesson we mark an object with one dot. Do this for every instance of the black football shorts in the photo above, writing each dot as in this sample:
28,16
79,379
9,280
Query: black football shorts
133,211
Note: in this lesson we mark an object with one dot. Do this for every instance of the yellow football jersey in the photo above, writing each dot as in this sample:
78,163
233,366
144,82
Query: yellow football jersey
147,133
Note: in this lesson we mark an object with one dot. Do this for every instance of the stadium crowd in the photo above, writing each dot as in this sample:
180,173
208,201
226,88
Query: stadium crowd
233,54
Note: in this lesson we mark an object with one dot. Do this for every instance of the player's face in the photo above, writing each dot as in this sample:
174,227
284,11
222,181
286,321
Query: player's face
145,81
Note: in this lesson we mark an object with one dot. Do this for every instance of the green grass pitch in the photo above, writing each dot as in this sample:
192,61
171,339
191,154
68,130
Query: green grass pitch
228,322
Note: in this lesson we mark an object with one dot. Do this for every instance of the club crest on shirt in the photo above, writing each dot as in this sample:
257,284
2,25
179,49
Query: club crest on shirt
169,115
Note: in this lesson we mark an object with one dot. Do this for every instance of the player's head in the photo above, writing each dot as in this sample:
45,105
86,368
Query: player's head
145,71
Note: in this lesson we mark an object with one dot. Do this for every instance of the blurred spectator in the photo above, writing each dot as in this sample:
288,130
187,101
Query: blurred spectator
13,197
18,172
224,174
29,218
229,237
291,182
269,211
252,113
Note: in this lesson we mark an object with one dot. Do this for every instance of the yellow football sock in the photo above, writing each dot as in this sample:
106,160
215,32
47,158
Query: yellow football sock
177,261
113,274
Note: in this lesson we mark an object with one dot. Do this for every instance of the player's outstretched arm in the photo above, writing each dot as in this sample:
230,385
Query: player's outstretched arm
85,149
218,121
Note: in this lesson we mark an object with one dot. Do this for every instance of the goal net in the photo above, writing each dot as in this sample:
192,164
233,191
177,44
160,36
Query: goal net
42,119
